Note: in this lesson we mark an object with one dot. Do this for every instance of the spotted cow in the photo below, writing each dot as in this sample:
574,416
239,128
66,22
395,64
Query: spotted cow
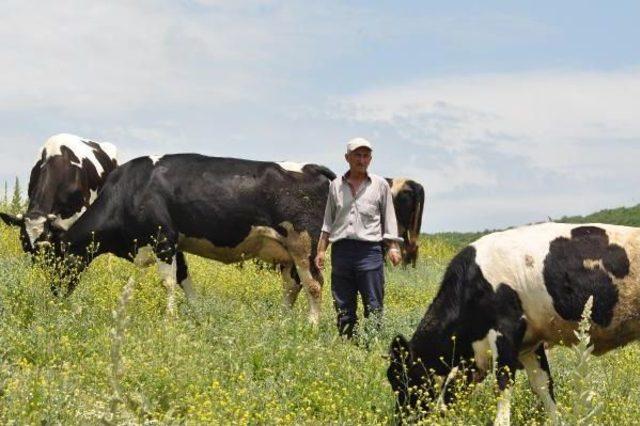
408,200
65,180
507,296
221,208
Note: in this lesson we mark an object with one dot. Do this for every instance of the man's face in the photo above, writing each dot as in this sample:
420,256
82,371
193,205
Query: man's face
359,159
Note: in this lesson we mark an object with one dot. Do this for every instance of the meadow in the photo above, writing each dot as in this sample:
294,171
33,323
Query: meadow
109,354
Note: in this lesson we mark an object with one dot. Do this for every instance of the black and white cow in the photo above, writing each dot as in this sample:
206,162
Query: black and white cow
408,200
220,208
508,294
65,180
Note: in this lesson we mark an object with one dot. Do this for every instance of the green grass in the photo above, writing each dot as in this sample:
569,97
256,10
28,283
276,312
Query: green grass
234,356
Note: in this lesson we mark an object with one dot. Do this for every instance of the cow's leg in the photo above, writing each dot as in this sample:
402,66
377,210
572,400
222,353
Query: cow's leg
506,364
166,253
312,286
537,368
505,344
290,284
182,276
299,246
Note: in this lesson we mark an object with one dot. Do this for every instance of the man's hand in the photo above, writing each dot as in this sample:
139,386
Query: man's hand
394,256
319,260
323,243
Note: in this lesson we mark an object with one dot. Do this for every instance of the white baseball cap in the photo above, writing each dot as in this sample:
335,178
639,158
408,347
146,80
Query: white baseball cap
356,143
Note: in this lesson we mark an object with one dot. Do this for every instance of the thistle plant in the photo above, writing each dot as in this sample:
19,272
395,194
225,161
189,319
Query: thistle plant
117,334
584,400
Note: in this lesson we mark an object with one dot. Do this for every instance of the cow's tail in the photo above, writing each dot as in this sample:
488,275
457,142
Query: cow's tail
416,218
322,170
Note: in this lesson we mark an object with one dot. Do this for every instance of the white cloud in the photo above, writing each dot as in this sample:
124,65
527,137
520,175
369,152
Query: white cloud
503,149
558,121
122,55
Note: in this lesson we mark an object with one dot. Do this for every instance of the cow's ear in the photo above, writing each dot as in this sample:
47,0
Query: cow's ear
12,220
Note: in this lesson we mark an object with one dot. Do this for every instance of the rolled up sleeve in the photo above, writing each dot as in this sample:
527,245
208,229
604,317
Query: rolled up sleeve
389,222
329,212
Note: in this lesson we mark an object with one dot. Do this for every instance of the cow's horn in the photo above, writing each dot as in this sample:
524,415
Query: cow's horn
51,216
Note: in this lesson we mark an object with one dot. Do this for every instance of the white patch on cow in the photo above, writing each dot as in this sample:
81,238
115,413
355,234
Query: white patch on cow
291,166
80,148
397,184
155,158
34,228
516,258
92,196
262,242
593,264
485,350
67,222
539,381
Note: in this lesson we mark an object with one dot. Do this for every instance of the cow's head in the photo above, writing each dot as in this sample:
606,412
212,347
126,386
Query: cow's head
411,382
410,253
421,384
36,231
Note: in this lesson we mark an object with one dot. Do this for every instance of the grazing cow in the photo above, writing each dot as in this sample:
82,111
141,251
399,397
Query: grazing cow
508,294
408,200
64,181
220,208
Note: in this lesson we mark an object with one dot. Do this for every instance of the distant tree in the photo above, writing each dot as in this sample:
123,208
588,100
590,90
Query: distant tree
16,201
629,216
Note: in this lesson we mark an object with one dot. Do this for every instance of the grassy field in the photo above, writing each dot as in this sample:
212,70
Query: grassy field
235,356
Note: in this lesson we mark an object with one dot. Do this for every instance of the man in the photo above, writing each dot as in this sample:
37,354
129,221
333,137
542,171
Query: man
358,217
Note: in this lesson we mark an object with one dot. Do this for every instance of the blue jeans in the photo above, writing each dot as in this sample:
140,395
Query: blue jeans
356,267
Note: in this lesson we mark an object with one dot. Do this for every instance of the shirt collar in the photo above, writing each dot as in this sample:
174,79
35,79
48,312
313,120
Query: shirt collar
346,176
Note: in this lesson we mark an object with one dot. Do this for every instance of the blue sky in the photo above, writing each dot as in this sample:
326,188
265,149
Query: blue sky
507,112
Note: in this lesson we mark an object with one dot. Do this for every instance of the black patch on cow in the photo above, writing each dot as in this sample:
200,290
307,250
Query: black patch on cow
570,282
181,268
93,178
616,261
69,154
